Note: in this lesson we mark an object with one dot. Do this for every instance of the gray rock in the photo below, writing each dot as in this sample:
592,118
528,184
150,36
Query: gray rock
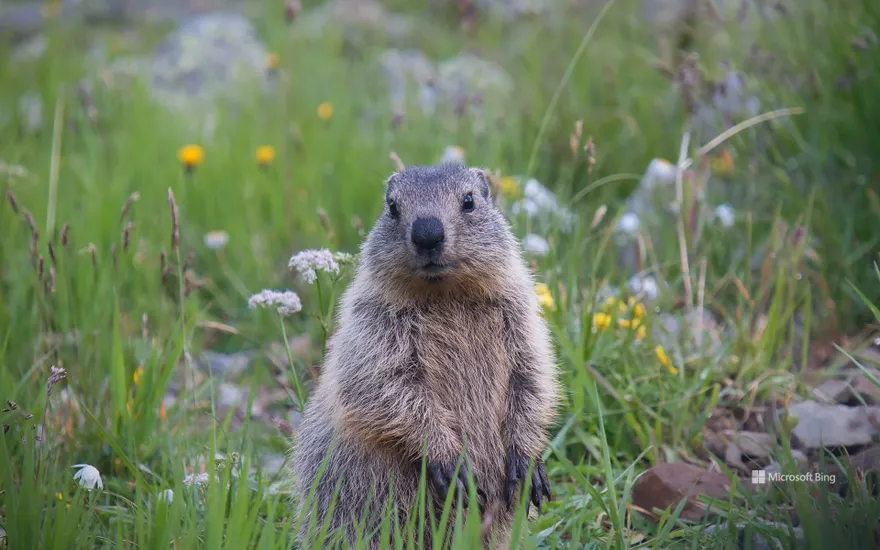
228,396
222,364
465,84
756,540
755,444
800,460
214,57
821,425
357,20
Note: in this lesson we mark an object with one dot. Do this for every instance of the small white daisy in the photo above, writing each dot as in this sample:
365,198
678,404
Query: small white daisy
628,223
725,215
536,244
216,240
644,286
88,476
453,153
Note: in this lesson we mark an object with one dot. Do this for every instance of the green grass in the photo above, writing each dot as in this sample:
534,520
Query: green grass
126,331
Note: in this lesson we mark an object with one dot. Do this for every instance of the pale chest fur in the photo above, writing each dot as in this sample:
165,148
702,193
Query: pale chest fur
460,351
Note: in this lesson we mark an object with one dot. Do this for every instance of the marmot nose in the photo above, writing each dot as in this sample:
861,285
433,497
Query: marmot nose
427,234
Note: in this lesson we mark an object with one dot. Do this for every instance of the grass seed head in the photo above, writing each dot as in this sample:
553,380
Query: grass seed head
13,202
65,235
126,236
175,223
134,197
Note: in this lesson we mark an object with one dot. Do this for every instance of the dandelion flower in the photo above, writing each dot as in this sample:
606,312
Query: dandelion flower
624,323
601,321
536,244
166,496
544,296
325,110
272,61
190,156
265,155
216,240
509,187
639,311
308,262
641,332
664,360
88,476
287,302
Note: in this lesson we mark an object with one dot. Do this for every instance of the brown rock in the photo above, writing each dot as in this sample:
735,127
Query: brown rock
665,485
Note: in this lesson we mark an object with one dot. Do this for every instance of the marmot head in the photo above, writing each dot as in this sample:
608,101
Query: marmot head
440,230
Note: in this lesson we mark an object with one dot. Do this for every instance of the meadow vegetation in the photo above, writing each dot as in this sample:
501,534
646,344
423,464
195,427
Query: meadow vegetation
133,242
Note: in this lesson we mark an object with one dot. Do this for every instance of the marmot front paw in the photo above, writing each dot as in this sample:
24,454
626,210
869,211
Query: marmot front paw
440,475
518,469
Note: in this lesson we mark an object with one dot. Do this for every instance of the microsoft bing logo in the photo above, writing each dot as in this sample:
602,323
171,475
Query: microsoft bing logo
759,477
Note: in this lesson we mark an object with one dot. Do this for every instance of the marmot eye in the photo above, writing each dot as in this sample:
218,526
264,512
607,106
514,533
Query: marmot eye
468,204
392,209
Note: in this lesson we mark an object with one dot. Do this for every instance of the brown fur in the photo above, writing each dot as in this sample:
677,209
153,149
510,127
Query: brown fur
460,363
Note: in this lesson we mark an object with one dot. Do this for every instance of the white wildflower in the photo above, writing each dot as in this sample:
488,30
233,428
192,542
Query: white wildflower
628,223
88,476
644,286
197,479
453,153
528,206
544,198
166,496
287,302
308,262
216,239
725,215
536,244
659,172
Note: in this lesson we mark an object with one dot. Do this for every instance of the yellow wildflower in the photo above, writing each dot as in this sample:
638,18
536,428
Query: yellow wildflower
60,496
191,156
325,111
722,164
664,360
265,155
609,303
601,321
639,311
544,295
137,375
624,323
272,61
509,187
641,332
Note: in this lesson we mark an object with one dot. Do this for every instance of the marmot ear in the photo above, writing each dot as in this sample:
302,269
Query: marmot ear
390,179
485,179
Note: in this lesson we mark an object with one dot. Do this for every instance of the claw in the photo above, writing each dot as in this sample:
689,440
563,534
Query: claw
517,470
442,479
